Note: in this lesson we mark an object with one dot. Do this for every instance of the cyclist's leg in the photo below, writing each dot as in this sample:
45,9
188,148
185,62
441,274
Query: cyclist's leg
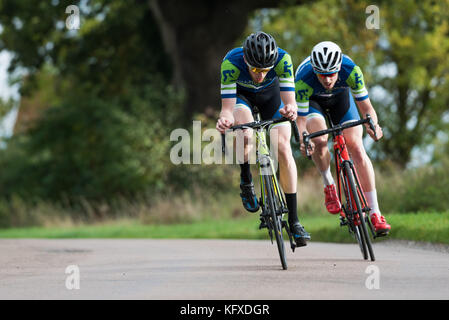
280,135
316,122
321,157
243,114
365,171
269,103
354,142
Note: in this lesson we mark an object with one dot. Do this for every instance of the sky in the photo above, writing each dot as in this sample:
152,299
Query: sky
6,92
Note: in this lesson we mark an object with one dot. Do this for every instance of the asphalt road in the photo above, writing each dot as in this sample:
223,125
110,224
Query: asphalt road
217,269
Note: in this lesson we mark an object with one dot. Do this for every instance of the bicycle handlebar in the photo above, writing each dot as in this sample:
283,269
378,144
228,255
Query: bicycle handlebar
337,128
260,124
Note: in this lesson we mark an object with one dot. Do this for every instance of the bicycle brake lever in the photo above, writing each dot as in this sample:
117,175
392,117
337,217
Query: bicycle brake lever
371,125
305,140
223,143
295,131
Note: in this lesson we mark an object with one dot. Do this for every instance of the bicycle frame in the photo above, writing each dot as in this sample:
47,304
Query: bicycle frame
272,198
341,155
354,213
266,167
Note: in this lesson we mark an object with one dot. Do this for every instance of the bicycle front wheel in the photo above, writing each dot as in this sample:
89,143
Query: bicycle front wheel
361,230
275,219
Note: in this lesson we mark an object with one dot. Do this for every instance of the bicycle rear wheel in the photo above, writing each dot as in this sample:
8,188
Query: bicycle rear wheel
275,219
355,203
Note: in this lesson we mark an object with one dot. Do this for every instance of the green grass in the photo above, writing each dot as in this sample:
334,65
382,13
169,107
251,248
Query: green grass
427,227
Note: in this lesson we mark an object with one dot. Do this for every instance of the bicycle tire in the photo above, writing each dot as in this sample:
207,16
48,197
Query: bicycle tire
349,212
355,189
275,219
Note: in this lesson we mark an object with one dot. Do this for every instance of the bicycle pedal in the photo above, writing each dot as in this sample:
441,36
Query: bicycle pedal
263,224
381,234
343,222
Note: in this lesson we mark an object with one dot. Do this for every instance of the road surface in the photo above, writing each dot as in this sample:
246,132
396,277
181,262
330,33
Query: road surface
217,269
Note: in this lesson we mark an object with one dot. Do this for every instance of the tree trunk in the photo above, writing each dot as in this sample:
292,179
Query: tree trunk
197,35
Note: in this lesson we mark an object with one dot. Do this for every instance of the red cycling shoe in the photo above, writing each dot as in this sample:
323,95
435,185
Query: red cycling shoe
331,200
380,224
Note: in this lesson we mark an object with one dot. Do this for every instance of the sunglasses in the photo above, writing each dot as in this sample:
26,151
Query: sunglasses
323,76
258,70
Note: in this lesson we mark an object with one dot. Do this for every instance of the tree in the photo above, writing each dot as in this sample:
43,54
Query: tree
404,61
121,43
415,44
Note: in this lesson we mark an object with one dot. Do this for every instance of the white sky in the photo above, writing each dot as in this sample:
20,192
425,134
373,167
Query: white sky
6,92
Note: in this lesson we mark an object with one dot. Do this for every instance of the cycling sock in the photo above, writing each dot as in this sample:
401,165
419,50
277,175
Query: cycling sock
371,198
292,209
327,177
245,173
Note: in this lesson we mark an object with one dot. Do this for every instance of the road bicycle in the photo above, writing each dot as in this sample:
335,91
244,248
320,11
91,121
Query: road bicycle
272,201
354,205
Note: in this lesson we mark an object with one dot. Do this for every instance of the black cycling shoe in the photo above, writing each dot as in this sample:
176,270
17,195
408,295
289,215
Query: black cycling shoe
249,198
299,234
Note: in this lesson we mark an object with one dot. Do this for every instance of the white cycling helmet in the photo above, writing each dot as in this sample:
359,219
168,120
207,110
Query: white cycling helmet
326,57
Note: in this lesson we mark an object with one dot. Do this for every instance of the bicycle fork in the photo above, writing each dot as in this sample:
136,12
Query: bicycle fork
266,168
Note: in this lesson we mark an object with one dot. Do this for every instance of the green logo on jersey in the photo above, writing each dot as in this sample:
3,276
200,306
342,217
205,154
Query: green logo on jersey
358,80
227,73
302,94
288,68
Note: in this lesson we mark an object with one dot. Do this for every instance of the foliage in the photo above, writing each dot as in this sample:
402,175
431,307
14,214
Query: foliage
117,46
414,190
404,61
6,106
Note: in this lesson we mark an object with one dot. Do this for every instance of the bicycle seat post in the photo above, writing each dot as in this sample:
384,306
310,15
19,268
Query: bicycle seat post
328,118
327,115
256,113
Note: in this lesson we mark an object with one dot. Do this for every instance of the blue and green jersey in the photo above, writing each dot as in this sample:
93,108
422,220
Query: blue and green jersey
235,74
307,84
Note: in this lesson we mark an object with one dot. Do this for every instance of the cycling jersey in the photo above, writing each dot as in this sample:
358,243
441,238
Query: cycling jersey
307,84
235,74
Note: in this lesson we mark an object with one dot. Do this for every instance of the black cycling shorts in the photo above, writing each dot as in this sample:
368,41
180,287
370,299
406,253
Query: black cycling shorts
341,106
268,100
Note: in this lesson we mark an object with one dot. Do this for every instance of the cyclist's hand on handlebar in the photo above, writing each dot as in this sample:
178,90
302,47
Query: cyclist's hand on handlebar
302,148
377,135
225,122
289,111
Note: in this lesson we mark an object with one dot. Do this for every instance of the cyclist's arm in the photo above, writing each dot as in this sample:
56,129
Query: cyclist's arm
358,89
226,118
227,107
303,93
229,76
284,71
290,109
365,107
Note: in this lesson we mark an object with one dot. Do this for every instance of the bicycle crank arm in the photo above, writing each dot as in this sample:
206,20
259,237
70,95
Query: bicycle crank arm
290,236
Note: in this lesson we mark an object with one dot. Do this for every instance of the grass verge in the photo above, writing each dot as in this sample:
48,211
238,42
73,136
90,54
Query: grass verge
427,227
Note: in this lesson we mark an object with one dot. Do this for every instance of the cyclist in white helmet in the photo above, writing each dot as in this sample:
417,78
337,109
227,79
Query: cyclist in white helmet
330,80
